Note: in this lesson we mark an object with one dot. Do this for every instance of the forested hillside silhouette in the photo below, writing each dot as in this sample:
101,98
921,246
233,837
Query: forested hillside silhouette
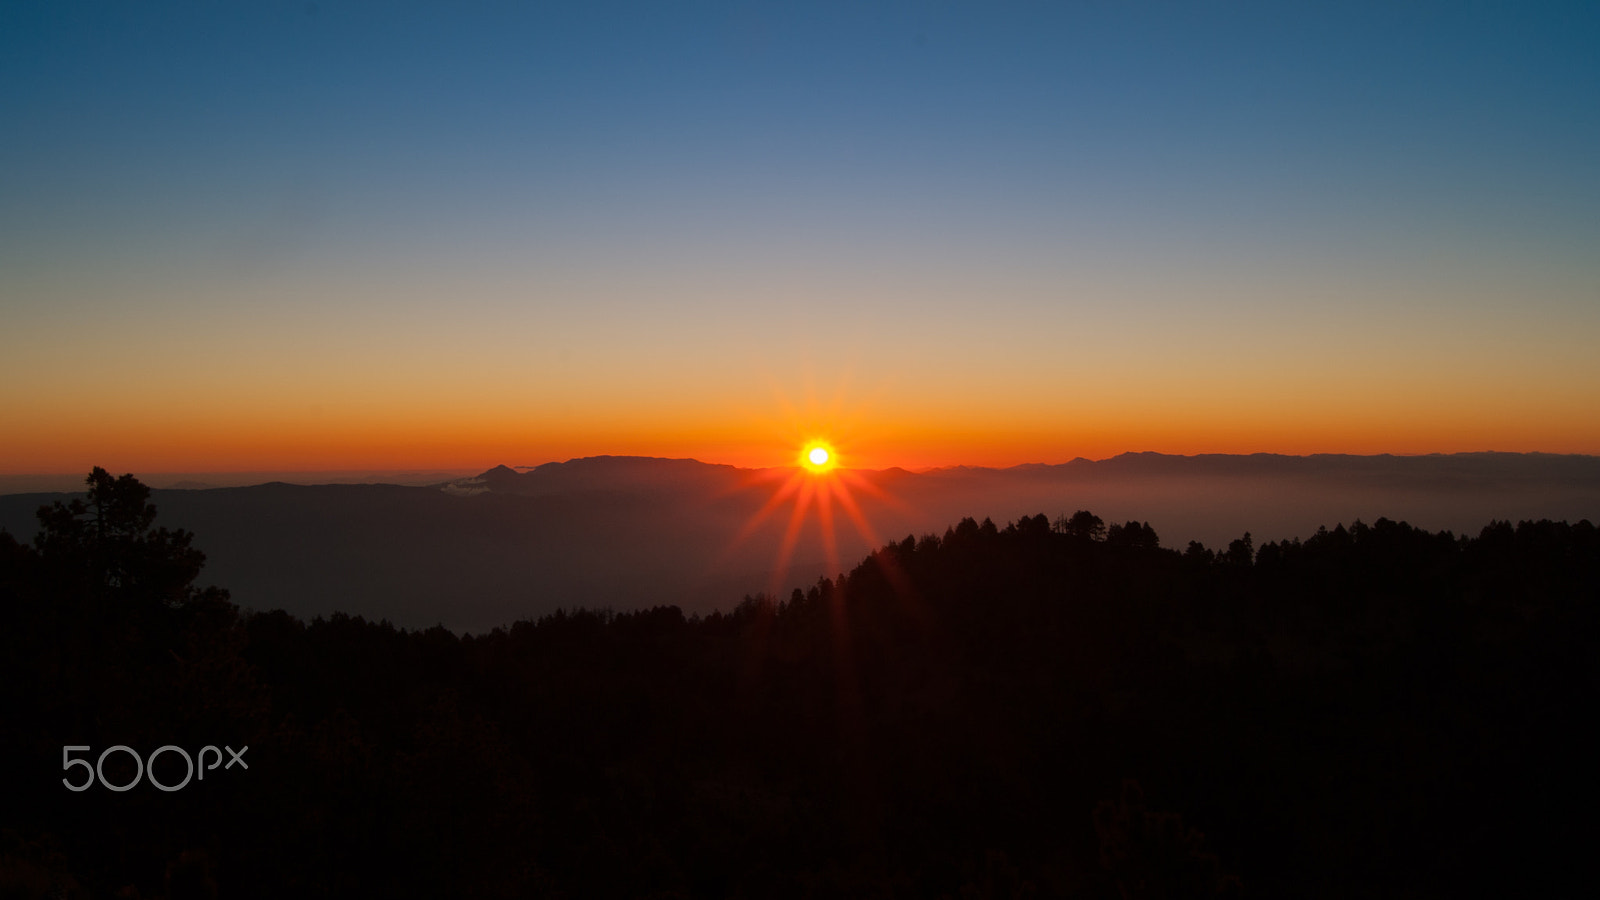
1049,708
626,532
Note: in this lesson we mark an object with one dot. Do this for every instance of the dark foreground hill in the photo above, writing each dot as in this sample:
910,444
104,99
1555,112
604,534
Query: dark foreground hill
628,533
1028,711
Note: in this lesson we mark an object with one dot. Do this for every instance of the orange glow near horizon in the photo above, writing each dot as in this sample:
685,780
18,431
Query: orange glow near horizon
201,427
349,443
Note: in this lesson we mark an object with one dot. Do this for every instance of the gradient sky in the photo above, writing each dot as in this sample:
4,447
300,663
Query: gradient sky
324,235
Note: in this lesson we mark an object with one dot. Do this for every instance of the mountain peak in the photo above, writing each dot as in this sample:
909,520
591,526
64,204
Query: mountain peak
605,473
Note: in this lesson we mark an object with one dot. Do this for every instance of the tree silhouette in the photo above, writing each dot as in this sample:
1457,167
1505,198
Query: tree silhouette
109,541
1241,552
1135,535
1368,711
1082,524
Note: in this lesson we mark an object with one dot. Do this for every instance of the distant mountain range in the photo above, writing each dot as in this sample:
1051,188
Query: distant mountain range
631,532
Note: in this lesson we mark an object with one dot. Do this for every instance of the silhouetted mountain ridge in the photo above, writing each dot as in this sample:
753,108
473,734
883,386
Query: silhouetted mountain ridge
609,473
622,531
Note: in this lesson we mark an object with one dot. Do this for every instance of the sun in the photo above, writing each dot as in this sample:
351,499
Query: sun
816,491
818,457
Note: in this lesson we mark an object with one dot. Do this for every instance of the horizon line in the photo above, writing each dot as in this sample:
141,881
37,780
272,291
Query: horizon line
468,469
